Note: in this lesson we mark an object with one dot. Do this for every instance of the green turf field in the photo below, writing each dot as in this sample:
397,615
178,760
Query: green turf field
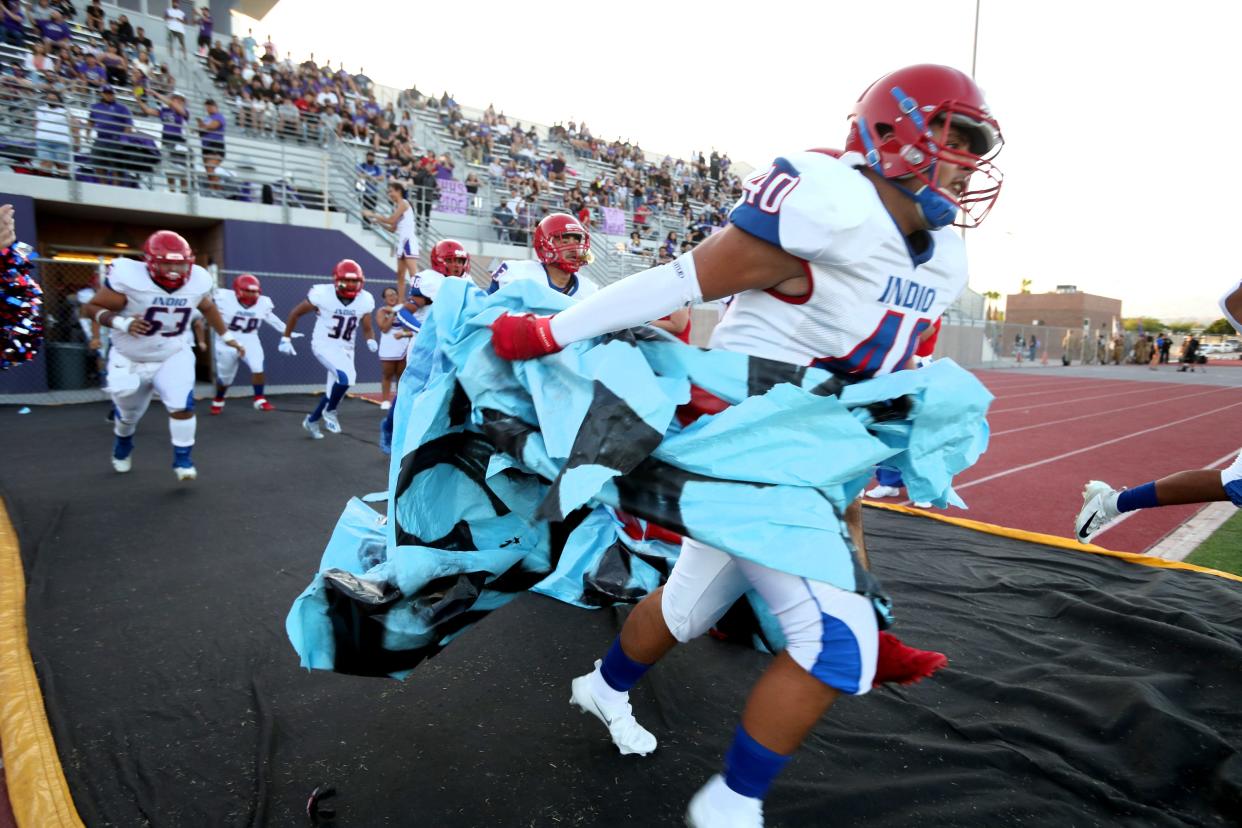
1223,550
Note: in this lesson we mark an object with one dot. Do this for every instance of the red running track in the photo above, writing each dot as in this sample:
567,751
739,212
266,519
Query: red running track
1052,434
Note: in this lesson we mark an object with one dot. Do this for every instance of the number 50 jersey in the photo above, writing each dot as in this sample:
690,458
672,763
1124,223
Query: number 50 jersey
872,293
168,312
336,326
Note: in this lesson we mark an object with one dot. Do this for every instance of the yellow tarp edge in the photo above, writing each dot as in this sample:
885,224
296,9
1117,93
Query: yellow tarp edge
1053,540
37,788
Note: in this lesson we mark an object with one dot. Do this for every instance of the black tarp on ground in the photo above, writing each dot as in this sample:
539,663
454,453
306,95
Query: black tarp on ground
1082,690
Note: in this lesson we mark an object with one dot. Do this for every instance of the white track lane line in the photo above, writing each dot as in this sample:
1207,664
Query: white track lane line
1109,395
1110,412
1093,447
1006,397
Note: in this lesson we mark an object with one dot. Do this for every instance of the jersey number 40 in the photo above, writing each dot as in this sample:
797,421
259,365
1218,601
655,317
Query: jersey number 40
767,190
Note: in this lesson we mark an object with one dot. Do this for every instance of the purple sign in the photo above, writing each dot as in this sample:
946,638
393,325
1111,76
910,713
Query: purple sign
614,221
453,196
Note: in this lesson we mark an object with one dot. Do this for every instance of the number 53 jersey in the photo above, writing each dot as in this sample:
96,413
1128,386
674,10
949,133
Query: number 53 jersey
337,325
168,312
871,292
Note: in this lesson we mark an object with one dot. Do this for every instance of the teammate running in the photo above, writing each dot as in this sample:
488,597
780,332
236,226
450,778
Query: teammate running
563,246
244,309
341,308
149,306
1102,504
837,263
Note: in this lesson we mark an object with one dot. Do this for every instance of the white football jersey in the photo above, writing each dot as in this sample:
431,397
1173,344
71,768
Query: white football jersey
169,312
871,294
338,323
512,270
242,320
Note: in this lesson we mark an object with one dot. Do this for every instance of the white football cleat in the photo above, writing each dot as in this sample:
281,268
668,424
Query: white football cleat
122,465
331,423
185,472
627,734
1099,507
718,806
312,428
922,504
884,491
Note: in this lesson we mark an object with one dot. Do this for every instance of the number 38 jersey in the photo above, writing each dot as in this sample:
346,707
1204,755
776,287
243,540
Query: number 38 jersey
871,292
338,322
168,312
244,321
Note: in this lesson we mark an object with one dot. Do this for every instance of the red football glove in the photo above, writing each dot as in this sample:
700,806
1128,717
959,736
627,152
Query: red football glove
523,336
902,664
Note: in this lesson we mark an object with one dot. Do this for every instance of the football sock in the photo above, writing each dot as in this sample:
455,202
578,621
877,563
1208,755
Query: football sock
750,767
1140,497
182,431
319,407
258,390
338,394
618,670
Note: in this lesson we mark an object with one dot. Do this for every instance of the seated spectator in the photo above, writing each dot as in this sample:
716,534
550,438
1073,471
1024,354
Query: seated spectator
91,74
503,221
142,62
13,19
218,63
67,10
444,167
125,31
330,121
217,180
141,41
38,63
115,67
55,30
41,12
163,80
636,243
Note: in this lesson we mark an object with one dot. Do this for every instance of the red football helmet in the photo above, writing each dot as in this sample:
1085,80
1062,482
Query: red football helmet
169,259
247,289
554,249
900,127
450,258
348,278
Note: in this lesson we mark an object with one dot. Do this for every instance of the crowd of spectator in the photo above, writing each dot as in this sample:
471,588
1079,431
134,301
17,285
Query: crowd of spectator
532,175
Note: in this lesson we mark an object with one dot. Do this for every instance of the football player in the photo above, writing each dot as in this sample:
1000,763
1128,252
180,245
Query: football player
563,246
149,306
1102,504
244,309
341,308
837,263
449,258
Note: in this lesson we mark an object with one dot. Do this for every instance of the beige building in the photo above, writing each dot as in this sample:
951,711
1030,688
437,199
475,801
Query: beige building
1067,307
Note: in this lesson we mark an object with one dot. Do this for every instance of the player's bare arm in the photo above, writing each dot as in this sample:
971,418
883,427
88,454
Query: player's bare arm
212,314
301,309
105,308
368,330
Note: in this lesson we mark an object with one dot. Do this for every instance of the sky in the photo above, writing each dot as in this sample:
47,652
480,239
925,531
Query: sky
1107,107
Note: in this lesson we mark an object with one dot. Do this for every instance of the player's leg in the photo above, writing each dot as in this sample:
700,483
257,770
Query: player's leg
831,644
130,390
346,375
1102,504
175,383
227,360
704,583
258,380
888,483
